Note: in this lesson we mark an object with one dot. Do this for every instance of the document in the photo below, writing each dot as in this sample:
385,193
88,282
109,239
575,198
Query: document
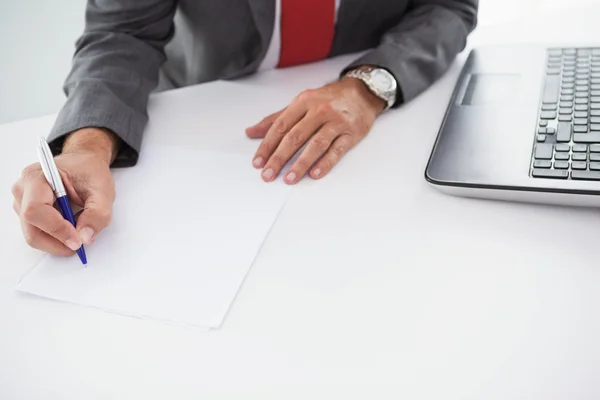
187,226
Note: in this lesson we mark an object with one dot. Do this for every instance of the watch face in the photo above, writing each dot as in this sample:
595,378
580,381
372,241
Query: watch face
382,80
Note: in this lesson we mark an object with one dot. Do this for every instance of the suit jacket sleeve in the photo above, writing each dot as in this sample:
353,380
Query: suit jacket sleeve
115,67
421,47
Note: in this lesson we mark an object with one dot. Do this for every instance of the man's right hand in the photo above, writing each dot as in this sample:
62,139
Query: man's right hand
84,166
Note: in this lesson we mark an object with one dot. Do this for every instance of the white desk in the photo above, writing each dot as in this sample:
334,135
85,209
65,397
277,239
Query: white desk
370,285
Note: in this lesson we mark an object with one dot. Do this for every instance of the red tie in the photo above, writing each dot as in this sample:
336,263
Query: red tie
307,28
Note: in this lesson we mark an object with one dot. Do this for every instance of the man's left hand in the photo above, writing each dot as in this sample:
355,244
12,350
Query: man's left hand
330,121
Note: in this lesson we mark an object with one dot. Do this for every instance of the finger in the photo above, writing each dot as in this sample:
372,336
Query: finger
17,191
47,219
96,216
280,127
336,151
290,145
44,242
260,130
316,147
16,207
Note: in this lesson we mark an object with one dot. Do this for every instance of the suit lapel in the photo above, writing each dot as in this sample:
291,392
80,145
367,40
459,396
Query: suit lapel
348,14
263,12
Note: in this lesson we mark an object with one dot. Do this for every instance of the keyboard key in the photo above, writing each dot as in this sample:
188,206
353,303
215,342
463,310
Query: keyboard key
542,164
569,52
542,130
579,165
569,74
595,106
567,91
564,111
553,71
580,129
595,127
582,100
563,132
566,97
563,164
582,82
543,151
582,88
587,137
568,67
554,52
563,147
565,104
594,148
595,75
595,92
541,138
581,107
579,157
550,173
580,121
595,166
564,118
551,89
581,94
550,131
595,120
595,88
549,107
595,157
543,122
581,148
569,85
584,52
581,114
562,156
595,99
595,113
548,114
584,175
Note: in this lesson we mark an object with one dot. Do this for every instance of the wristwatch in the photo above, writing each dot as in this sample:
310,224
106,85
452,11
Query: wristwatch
379,81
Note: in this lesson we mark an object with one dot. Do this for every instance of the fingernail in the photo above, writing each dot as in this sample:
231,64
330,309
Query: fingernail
73,245
86,234
267,174
258,162
291,177
317,172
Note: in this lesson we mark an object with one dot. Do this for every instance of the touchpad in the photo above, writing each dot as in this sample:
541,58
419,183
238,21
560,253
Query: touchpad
490,89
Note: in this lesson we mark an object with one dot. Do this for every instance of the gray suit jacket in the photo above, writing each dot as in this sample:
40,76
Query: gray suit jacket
119,57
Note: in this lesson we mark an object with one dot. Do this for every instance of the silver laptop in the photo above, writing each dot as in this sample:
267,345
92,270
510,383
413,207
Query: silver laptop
524,125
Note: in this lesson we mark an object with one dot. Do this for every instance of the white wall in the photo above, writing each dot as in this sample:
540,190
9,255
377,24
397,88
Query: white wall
37,41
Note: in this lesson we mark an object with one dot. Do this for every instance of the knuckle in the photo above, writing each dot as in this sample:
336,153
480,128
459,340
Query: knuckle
16,189
30,170
104,216
321,144
324,109
305,95
338,150
31,238
280,127
28,213
303,164
296,138
278,161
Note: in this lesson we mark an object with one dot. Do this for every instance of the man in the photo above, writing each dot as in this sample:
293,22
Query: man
121,55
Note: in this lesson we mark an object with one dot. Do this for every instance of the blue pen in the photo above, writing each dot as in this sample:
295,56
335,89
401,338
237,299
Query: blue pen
53,177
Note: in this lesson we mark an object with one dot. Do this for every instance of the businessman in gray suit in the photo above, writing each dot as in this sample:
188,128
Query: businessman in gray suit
130,46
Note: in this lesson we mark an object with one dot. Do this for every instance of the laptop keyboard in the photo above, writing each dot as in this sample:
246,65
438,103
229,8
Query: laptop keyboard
567,140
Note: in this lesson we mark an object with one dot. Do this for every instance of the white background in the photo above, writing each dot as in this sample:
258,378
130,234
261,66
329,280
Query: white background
37,40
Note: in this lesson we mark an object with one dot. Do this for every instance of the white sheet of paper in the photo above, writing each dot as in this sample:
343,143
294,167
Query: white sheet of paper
186,228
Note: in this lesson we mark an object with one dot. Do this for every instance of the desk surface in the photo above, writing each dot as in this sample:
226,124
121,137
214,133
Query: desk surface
370,285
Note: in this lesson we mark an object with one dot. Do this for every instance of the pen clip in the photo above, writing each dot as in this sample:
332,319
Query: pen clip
49,167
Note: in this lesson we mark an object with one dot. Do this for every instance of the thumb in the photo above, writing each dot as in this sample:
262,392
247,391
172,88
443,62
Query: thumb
96,216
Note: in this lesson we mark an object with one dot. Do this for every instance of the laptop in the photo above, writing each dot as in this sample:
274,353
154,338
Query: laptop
523,124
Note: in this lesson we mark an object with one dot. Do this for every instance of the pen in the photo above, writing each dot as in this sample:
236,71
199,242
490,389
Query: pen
53,177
